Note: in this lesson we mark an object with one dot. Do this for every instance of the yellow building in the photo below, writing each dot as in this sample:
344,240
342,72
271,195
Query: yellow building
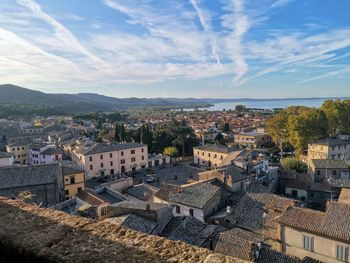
73,180
323,236
20,149
333,149
213,155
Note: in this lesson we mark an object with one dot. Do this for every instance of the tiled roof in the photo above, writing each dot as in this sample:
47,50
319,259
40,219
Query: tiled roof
166,191
334,223
134,222
91,198
335,164
19,176
331,142
215,148
52,151
238,243
196,195
5,155
269,255
95,148
70,169
144,192
257,212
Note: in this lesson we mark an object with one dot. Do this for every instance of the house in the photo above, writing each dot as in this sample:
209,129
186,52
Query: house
334,149
6,159
253,139
200,199
256,213
324,236
301,187
46,184
155,160
110,159
191,230
211,155
147,217
141,192
91,205
42,153
249,246
20,149
73,180
322,169
230,175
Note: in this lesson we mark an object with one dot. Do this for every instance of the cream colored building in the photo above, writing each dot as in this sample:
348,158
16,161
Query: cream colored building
211,155
21,151
324,236
73,180
112,159
333,149
253,139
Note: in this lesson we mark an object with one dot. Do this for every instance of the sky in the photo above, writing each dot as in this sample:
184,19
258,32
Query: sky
178,48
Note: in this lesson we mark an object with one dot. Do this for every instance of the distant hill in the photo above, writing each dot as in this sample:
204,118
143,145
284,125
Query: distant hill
82,102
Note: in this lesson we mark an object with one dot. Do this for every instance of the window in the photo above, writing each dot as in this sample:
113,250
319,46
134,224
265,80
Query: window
143,157
334,172
122,161
209,155
22,148
295,193
66,192
342,253
111,163
132,151
318,172
178,209
191,212
142,149
122,153
101,156
91,167
90,158
110,155
72,179
101,165
79,189
133,159
308,243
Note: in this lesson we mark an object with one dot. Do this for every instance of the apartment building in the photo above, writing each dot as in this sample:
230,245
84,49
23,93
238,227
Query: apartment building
73,180
20,149
252,139
324,236
321,169
211,155
334,149
110,159
41,154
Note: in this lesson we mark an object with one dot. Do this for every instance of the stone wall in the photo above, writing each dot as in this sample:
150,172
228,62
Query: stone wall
32,234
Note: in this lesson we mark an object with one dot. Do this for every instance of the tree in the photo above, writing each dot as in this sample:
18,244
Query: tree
117,133
122,133
225,127
171,151
240,108
292,163
219,138
277,128
338,116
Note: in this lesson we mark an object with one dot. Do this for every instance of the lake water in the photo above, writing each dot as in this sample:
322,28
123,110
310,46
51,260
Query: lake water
267,104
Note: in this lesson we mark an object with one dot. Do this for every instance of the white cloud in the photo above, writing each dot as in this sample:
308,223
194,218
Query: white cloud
280,3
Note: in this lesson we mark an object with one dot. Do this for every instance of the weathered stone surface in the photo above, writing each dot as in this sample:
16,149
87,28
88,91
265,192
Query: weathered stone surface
44,235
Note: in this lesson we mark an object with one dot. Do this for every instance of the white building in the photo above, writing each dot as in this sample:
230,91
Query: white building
109,159
6,159
45,154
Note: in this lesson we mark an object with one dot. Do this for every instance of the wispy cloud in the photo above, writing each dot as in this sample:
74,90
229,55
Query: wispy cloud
62,33
205,21
280,3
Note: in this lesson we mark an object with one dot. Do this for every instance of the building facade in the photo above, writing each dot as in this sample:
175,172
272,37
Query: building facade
114,159
21,152
334,149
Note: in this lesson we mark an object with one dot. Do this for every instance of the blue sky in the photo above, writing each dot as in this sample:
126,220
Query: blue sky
178,48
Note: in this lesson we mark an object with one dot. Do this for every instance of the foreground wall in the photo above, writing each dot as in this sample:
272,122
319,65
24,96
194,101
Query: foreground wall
32,234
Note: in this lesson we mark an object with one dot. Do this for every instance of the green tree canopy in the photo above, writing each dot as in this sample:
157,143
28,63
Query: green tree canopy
171,151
